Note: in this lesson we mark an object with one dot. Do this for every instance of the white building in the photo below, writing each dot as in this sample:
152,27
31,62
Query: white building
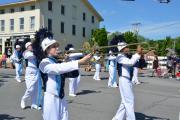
71,21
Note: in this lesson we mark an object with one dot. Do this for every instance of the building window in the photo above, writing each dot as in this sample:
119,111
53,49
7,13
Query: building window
12,10
21,21
62,27
2,25
2,11
50,5
84,16
93,19
62,10
49,24
84,32
73,29
33,7
22,9
32,23
74,12
11,24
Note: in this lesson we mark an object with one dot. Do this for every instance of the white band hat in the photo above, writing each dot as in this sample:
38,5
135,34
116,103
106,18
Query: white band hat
121,45
110,52
71,49
47,42
18,46
28,44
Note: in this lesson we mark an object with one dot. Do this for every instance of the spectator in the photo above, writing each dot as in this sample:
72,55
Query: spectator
4,57
178,72
142,63
170,66
155,63
9,53
174,59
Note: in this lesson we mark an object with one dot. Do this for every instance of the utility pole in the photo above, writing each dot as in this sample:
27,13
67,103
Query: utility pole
135,27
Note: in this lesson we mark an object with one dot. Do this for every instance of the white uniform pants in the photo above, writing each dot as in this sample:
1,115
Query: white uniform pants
31,78
126,108
73,84
18,67
112,76
135,75
54,108
98,68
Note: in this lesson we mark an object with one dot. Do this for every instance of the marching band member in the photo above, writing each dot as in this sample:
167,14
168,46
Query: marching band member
17,59
112,70
32,76
135,74
54,73
97,66
125,71
74,76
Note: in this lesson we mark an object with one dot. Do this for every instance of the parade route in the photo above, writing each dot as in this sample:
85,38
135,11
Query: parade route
155,99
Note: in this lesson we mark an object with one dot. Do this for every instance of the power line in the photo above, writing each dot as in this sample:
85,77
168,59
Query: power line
160,1
164,26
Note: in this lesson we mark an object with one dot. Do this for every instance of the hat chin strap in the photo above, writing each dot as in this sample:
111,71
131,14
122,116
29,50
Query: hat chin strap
49,55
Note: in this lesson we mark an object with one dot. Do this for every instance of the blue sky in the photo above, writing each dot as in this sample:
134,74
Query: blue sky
157,20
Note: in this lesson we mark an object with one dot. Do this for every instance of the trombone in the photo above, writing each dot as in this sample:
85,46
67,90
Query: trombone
95,48
132,51
132,44
99,48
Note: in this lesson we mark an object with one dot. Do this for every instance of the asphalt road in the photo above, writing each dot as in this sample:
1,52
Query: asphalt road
155,99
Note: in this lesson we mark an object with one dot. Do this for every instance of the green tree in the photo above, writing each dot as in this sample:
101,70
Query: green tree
162,45
100,37
130,37
112,35
177,41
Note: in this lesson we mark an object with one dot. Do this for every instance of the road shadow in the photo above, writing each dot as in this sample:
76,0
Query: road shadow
84,92
143,75
141,116
2,83
104,78
143,83
7,76
70,101
9,117
87,75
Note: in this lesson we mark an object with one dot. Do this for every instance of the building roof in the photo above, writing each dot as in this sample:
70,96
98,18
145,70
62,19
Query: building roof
19,2
92,9
22,2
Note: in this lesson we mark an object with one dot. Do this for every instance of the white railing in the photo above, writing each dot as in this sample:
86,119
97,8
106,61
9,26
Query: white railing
162,61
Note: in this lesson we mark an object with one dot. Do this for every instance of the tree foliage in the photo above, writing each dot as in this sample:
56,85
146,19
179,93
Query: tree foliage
111,36
130,37
100,37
